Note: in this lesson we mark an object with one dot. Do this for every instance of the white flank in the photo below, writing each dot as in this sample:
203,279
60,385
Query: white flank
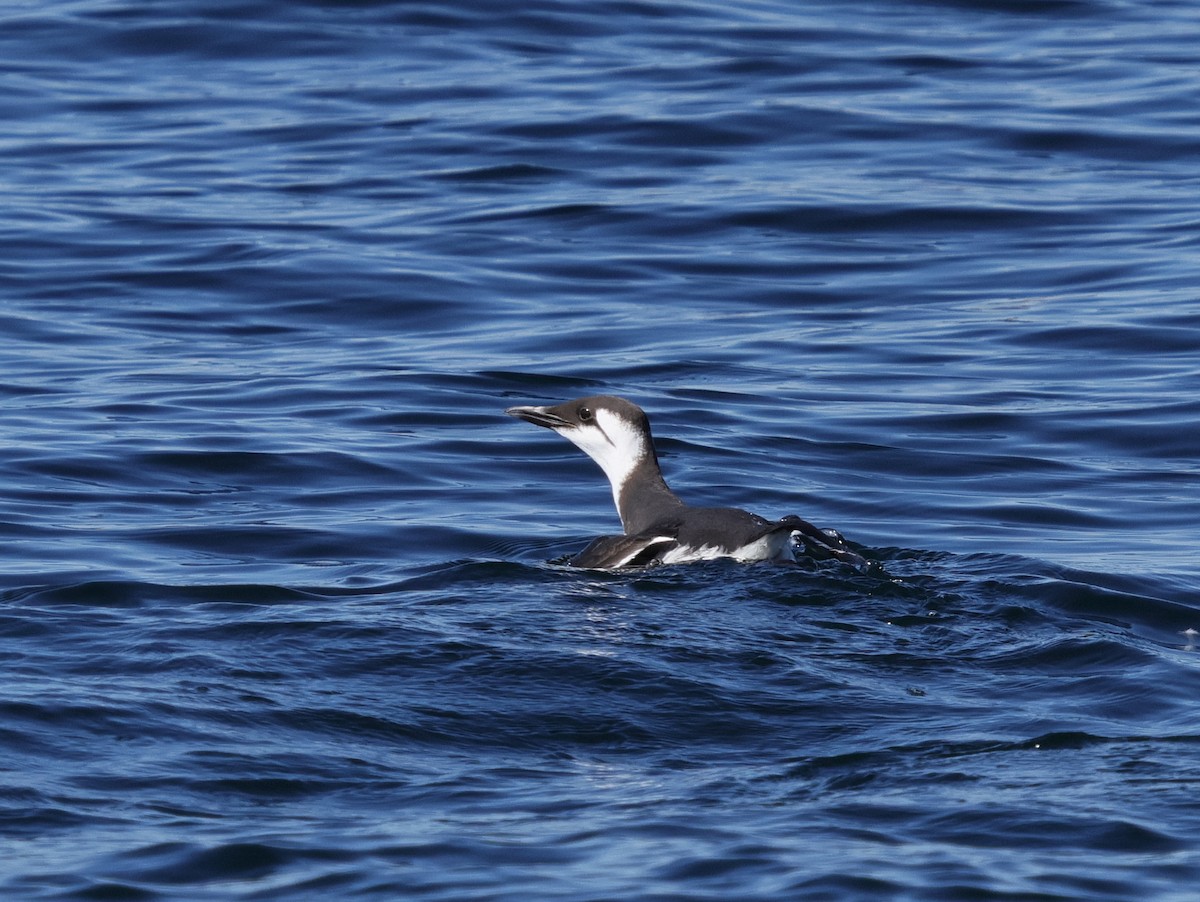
775,546
681,554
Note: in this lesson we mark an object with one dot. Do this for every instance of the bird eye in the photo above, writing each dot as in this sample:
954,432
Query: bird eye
585,414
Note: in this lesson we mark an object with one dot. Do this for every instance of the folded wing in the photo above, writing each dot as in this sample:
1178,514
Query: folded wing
611,552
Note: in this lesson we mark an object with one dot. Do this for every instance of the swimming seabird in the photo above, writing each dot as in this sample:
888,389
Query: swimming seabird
659,527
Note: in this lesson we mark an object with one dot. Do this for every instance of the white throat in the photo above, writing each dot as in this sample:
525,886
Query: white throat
614,443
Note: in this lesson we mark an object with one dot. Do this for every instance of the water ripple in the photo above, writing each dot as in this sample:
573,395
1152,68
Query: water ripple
283,604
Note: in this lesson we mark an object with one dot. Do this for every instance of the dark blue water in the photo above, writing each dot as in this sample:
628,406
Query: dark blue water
280,616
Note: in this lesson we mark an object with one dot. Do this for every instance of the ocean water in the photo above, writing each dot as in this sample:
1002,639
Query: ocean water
283,611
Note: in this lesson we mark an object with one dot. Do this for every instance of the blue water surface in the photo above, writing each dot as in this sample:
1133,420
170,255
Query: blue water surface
282,607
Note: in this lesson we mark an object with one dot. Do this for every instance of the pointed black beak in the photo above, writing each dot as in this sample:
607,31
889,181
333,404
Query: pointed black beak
539,416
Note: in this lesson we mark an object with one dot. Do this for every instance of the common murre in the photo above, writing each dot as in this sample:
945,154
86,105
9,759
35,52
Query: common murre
659,527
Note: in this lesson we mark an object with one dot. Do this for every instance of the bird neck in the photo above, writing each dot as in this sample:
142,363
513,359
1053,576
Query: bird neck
643,498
